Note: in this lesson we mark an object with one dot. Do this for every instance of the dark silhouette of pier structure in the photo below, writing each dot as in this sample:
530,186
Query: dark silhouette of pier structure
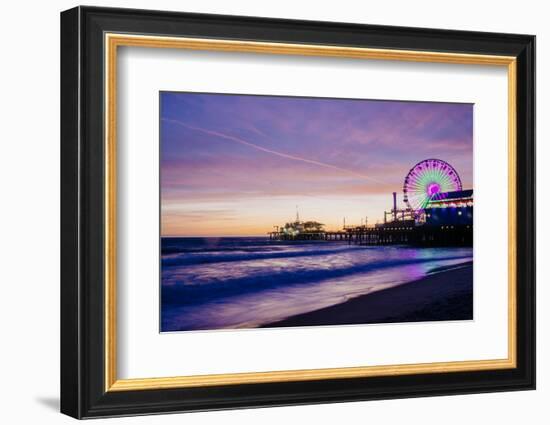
447,221
392,234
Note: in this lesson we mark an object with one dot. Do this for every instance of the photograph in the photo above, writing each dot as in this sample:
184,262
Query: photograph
285,211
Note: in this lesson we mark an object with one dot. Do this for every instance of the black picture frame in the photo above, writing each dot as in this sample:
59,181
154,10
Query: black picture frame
83,392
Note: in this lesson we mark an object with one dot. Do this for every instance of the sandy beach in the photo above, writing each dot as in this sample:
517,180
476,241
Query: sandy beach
444,295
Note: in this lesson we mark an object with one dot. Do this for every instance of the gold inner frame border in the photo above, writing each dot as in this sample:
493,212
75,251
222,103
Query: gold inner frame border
111,43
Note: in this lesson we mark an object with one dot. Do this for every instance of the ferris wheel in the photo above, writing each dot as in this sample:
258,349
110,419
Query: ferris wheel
426,179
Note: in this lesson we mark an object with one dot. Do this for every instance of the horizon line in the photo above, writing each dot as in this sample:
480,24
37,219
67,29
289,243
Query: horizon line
212,236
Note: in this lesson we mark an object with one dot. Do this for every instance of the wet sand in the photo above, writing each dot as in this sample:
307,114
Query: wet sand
443,295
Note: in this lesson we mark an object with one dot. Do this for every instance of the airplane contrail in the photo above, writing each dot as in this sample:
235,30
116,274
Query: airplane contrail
280,154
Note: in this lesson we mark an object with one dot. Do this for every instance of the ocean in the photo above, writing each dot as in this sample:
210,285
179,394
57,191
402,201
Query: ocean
247,282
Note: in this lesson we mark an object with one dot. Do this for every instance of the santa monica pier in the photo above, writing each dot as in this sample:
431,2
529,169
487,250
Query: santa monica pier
435,211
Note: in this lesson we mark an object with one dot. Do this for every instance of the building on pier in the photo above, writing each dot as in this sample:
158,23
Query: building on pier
299,230
450,209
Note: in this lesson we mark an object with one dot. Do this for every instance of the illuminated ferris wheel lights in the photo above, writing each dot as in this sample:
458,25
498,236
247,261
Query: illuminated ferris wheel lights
427,179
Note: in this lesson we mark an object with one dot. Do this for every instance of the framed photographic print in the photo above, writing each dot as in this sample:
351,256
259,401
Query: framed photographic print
261,212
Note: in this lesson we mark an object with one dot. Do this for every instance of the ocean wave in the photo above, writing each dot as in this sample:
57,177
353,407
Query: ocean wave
225,256
209,244
180,289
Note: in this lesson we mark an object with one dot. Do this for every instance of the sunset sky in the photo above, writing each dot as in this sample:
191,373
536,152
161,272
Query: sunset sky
236,165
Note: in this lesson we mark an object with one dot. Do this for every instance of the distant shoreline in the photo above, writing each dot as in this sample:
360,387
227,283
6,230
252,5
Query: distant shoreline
447,294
